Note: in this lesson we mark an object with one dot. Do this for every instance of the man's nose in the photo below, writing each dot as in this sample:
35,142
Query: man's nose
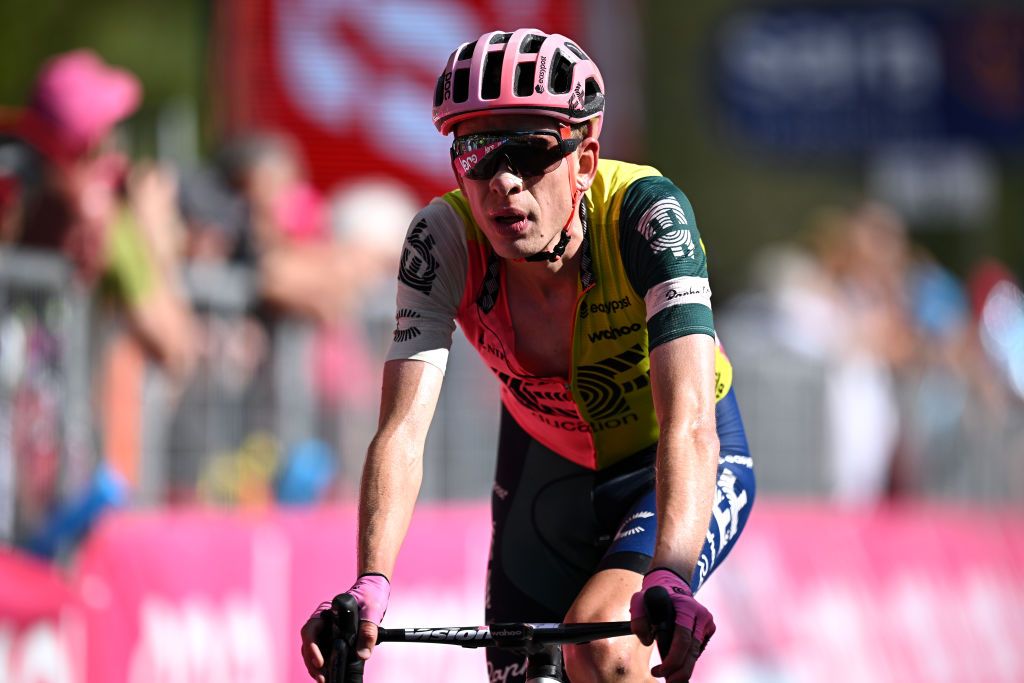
506,179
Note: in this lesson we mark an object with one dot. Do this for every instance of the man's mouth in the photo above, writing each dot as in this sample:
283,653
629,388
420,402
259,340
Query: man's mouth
510,219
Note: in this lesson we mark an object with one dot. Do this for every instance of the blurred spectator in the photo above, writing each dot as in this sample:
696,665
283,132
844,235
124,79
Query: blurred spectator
965,428
64,187
911,402
255,207
330,262
368,219
837,303
998,305
864,256
67,189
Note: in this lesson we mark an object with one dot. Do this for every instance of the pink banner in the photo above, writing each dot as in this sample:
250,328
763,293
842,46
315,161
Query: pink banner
811,593
899,594
213,597
41,635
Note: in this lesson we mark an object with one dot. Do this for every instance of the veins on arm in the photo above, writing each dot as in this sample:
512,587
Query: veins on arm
682,380
394,462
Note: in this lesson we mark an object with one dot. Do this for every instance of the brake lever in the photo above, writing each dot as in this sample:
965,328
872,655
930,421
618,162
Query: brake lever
661,614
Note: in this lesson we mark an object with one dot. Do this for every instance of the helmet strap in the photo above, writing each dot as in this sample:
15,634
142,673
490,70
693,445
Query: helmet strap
563,241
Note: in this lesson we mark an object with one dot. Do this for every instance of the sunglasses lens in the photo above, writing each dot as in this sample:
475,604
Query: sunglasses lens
527,156
533,160
486,167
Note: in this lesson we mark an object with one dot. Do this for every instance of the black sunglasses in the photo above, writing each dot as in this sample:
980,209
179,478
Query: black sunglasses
528,153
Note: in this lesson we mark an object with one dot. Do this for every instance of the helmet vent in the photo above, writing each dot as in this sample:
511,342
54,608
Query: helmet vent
561,74
531,44
490,89
460,85
573,48
526,70
439,92
524,78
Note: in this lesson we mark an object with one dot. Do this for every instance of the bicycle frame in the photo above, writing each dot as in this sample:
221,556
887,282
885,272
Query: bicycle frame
540,642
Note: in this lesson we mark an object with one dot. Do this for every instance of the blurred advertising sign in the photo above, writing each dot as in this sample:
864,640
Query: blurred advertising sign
354,80
845,594
941,184
40,628
812,593
841,78
189,596
213,597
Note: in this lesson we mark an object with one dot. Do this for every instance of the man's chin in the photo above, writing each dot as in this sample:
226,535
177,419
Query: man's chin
516,250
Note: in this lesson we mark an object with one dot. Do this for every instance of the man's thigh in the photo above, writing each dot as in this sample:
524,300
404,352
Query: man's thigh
546,544
546,541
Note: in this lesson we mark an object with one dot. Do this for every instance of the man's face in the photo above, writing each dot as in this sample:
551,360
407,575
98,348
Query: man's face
520,216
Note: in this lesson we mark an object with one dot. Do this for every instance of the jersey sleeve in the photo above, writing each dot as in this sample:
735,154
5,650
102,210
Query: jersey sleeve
665,261
431,280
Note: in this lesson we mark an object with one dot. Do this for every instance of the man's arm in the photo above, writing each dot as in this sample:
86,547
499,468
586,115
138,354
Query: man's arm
683,387
393,472
394,462
682,382
390,484
429,291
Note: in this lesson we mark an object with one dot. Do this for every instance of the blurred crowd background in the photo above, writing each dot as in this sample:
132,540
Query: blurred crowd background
202,207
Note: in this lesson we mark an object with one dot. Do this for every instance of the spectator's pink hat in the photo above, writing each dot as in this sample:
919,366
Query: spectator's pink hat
82,98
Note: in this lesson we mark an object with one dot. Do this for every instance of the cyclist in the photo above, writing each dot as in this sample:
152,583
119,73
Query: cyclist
583,285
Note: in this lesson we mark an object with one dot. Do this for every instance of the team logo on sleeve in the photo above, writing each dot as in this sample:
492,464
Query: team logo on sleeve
404,334
664,228
419,267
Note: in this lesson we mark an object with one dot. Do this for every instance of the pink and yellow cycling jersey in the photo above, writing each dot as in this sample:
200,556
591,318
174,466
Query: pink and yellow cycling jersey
643,282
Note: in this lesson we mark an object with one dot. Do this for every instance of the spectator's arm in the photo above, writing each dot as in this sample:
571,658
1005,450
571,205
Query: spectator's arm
158,315
311,280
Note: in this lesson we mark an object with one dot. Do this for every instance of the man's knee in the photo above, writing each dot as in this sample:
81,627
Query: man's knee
616,659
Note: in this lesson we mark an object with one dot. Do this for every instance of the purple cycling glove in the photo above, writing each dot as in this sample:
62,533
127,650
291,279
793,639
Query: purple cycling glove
690,614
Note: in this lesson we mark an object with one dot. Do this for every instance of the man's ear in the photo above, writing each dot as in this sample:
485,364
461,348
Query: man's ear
588,154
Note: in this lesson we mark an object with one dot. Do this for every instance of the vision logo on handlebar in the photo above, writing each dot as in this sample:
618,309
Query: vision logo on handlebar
460,635
541,642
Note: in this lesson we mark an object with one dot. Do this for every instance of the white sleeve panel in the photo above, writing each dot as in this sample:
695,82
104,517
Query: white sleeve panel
678,291
431,280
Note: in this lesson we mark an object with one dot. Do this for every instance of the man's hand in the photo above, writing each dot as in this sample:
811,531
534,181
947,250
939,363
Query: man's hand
371,593
694,625
311,655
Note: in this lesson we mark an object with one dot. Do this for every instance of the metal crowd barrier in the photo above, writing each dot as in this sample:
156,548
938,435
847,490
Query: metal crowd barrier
46,437
192,438
950,446
240,418
279,399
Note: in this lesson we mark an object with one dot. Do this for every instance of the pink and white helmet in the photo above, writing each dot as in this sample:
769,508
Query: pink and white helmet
523,72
